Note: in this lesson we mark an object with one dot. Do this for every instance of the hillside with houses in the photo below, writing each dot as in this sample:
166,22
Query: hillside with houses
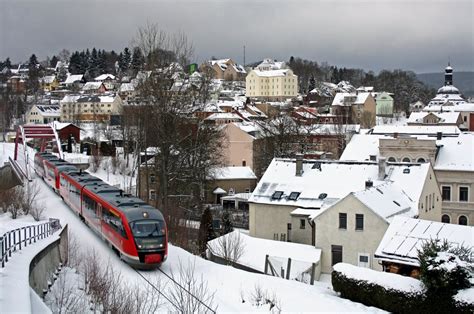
287,185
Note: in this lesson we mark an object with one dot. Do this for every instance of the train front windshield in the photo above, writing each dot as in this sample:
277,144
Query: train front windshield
147,228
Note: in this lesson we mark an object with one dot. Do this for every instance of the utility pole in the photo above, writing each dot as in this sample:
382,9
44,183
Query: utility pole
244,56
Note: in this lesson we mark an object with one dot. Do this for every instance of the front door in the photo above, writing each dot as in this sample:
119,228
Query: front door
336,254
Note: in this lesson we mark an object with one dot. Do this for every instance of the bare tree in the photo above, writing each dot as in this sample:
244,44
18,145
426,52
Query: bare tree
30,192
230,247
187,148
196,297
64,296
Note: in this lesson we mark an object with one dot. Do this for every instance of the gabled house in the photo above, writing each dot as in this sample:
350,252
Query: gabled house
305,198
43,114
450,154
435,118
355,107
226,181
225,69
384,103
94,88
49,83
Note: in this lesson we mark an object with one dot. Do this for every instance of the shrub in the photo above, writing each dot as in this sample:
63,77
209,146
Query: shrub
444,268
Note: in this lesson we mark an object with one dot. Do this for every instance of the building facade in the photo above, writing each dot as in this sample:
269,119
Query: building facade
276,85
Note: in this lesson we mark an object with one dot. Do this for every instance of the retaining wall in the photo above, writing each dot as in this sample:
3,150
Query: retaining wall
45,263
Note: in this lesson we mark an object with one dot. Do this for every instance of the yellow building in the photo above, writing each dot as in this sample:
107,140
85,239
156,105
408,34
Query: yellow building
274,85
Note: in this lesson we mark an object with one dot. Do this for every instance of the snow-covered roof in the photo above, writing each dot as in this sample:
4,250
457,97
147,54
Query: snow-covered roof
73,78
388,200
126,87
406,235
49,110
449,117
89,98
349,99
48,79
60,125
416,129
92,86
461,107
272,73
104,77
224,115
270,64
328,181
232,173
456,153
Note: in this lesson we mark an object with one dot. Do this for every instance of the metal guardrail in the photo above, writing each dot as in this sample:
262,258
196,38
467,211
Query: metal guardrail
15,240
18,171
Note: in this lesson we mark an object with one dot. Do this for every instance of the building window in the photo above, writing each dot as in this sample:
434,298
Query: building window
462,220
152,195
302,223
277,195
275,236
446,191
445,219
342,221
463,194
294,196
359,222
363,260
283,237
421,160
392,159
152,178
406,159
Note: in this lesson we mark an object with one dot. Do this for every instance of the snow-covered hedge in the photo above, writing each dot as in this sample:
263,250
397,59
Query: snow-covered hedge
391,292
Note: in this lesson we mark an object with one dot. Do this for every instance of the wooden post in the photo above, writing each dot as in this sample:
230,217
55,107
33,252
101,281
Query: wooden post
282,272
313,269
266,264
288,268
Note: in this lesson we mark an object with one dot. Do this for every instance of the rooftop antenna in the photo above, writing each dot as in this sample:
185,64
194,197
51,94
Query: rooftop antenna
244,56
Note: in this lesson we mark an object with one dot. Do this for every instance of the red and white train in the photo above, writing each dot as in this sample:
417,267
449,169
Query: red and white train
131,227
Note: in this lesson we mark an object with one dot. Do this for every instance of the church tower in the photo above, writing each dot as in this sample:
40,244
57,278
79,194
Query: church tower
448,75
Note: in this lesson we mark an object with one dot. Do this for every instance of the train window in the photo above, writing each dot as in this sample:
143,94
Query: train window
114,221
147,228
89,205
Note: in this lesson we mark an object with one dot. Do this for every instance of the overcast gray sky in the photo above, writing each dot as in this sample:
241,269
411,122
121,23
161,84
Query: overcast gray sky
373,35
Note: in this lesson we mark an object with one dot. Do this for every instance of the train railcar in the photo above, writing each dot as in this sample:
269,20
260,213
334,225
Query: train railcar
134,229
49,166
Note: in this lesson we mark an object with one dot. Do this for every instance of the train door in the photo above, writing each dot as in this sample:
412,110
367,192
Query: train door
98,216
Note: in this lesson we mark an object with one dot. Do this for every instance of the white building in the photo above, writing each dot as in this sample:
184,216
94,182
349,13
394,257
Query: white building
342,208
271,85
90,108
269,64
43,114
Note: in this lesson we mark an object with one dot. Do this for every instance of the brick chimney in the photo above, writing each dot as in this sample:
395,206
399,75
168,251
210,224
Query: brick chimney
299,165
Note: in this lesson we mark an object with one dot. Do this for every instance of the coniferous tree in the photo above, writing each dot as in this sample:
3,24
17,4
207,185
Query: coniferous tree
53,62
34,75
7,63
137,60
227,225
206,230
312,83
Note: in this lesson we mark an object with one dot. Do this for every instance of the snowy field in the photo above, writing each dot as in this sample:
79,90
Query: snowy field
230,285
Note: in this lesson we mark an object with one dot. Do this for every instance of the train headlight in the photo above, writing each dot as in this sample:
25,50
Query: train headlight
139,246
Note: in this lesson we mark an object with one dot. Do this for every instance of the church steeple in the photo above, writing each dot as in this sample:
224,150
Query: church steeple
448,75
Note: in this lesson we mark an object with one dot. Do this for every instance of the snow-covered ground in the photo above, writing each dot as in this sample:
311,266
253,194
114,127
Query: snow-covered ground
229,284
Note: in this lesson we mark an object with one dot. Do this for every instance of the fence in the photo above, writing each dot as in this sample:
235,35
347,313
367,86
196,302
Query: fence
14,240
291,269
